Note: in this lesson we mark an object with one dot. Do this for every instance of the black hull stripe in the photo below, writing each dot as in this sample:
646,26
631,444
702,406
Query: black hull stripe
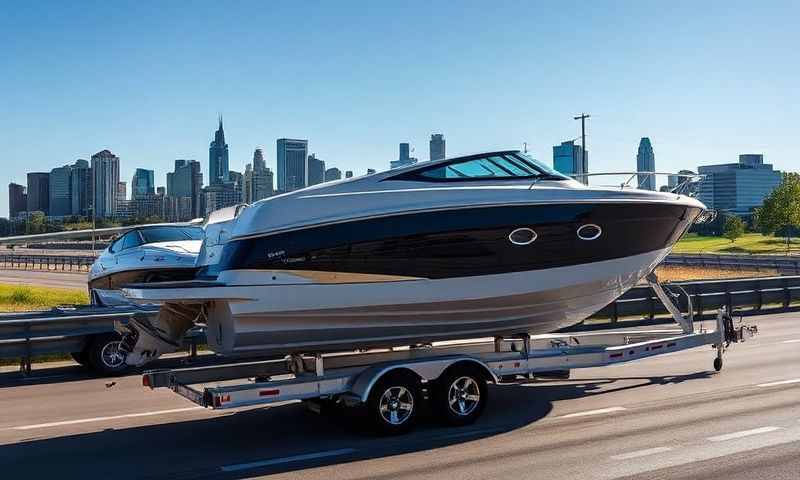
466,242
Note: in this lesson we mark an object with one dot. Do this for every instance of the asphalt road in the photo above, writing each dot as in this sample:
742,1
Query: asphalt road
665,417
43,278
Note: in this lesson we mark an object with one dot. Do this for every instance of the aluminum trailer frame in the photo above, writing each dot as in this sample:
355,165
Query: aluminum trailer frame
350,378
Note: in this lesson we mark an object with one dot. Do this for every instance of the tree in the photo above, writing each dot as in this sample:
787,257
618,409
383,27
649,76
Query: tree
781,210
734,228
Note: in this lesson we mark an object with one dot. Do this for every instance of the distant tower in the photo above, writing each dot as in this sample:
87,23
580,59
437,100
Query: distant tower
105,176
17,199
569,159
143,184
316,170
333,173
404,160
218,157
437,146
646,162
292,160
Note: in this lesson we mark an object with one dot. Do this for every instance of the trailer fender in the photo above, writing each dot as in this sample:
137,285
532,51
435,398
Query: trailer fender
426,369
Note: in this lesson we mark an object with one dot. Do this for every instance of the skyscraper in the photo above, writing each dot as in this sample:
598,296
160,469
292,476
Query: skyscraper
122,191
105,173
60,191
186,181
316,170
646,162
39,192
348,174
143,184
292,164
405,159
333,173
437,146
17,200
258,181
218,157
569,159
81,188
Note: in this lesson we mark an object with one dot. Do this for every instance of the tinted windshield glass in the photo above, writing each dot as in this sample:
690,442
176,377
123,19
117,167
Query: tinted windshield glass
171,234
510,165
130,240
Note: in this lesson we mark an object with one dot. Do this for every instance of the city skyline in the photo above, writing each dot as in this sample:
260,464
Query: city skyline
703,95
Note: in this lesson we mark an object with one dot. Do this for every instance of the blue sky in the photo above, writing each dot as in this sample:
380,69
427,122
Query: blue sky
704,80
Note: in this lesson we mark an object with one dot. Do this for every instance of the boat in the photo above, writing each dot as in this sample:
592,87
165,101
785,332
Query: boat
493,244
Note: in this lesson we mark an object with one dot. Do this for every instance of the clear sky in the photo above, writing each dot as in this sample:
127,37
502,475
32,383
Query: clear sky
146,79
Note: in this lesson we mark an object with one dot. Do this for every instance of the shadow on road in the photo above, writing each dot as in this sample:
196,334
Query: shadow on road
201,448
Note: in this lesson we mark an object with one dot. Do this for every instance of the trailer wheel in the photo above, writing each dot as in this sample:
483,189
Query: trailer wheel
394,403
460,395
105,356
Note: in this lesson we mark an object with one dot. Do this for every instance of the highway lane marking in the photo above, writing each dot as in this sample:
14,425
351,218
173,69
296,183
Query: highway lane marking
293,458
742,434
796,340
593,412
641,453
103,419
780,382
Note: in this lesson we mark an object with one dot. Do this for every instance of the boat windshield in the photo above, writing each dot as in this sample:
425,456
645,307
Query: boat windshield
171,234
496,166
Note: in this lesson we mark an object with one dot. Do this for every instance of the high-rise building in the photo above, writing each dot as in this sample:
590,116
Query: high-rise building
143,183
292,164
221,196
348,174
218,157
569,159
437,146
17,200
122,191
738,188
646,162
105,173
405,159
187,182
316,170
333,173
39,192
60,191
81,187
258,181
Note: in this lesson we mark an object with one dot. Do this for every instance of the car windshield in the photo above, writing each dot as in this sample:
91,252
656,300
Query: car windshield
501,165
171,234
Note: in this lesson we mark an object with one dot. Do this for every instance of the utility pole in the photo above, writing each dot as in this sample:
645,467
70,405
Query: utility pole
582,117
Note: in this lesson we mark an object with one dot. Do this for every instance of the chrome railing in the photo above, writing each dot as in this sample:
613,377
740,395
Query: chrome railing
683,187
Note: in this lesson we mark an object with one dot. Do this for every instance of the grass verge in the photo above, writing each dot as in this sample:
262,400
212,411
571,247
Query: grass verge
750,243
15,298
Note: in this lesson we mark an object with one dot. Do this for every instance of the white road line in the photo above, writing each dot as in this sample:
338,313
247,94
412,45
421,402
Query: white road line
796,340
278,461
781,382
641,453
103,419
593,412
743,433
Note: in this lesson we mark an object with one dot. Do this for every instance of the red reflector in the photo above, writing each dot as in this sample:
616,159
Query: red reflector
145,380
220,399
269,393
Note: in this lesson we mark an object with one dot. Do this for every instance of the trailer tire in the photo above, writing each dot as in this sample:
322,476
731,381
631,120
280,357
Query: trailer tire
394,403
104,355
460,395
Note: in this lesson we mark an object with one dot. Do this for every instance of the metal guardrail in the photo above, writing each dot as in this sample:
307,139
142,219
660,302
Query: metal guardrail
755,295
62,330
59,263
783,264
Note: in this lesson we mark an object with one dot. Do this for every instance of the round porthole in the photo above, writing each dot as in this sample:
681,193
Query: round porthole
522,236
589,231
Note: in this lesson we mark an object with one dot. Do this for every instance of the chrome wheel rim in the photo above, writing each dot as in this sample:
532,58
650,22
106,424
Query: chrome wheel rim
112,355
463,396
396,405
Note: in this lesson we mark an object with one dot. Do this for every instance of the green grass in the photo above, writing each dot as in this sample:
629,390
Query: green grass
750,243
15,298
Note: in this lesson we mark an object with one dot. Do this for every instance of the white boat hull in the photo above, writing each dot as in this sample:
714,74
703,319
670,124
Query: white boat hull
267,318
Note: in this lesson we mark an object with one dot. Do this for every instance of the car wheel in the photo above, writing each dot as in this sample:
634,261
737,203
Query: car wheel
105,355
